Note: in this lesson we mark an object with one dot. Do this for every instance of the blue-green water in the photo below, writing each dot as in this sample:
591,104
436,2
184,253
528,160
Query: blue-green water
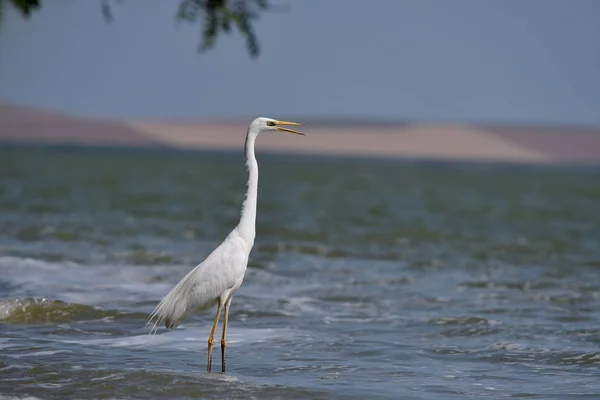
368,279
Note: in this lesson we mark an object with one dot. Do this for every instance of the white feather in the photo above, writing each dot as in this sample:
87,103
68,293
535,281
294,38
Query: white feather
203,286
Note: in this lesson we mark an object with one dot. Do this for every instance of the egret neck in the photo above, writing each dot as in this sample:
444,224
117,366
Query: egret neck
247,225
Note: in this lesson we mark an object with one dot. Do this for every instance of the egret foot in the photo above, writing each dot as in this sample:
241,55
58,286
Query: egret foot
211,343
223,346
211,338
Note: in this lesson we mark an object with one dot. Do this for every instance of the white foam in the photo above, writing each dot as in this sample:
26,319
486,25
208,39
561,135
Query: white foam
111,377
91,285
187,339
5,345
39,353
37,398
19,398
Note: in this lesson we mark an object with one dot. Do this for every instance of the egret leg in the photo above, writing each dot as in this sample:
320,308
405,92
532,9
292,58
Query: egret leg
211,338
224,337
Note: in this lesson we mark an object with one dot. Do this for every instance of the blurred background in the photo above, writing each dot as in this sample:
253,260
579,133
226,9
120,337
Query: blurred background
525,67
435,235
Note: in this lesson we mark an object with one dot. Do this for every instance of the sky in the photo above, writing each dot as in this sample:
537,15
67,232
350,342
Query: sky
512,61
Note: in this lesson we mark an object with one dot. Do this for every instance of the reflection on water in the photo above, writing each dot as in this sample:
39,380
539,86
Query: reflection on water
378,279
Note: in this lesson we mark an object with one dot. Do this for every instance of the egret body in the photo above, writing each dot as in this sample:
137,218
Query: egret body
219,276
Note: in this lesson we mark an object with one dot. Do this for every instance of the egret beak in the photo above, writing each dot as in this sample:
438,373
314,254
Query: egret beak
286,129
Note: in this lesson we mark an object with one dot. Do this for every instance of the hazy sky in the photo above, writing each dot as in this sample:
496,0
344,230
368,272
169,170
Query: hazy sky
477,60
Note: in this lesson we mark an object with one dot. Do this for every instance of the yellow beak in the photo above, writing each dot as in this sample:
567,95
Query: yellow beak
288,130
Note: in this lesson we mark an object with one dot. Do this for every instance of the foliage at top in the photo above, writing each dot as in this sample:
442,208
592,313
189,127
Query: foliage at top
216,17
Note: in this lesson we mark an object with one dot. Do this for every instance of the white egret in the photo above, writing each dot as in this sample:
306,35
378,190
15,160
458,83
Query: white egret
219,276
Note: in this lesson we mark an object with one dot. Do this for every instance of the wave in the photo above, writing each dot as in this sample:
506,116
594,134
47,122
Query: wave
41,292
44,311
101,285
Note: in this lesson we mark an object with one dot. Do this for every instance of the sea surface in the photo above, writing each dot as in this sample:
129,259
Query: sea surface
369,279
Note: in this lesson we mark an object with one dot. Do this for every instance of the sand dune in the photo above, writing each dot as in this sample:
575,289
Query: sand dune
425,141
429,141
30,125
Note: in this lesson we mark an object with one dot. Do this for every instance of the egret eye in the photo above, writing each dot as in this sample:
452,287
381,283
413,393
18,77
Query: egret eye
270,123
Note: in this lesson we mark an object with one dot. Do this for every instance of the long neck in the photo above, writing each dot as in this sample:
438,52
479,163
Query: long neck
247,223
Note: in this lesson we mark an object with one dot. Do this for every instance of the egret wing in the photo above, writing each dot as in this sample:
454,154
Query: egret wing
202,287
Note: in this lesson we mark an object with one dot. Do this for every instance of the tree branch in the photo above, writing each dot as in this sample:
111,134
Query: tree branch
218,16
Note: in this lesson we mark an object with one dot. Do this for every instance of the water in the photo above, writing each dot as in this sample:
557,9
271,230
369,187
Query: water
368,279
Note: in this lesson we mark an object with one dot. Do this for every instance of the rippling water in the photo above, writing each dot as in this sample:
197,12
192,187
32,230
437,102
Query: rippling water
368,279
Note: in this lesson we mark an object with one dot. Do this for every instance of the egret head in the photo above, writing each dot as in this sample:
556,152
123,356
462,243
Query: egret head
263,124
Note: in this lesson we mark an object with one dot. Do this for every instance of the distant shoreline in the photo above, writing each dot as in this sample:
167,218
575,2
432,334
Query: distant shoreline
23,126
